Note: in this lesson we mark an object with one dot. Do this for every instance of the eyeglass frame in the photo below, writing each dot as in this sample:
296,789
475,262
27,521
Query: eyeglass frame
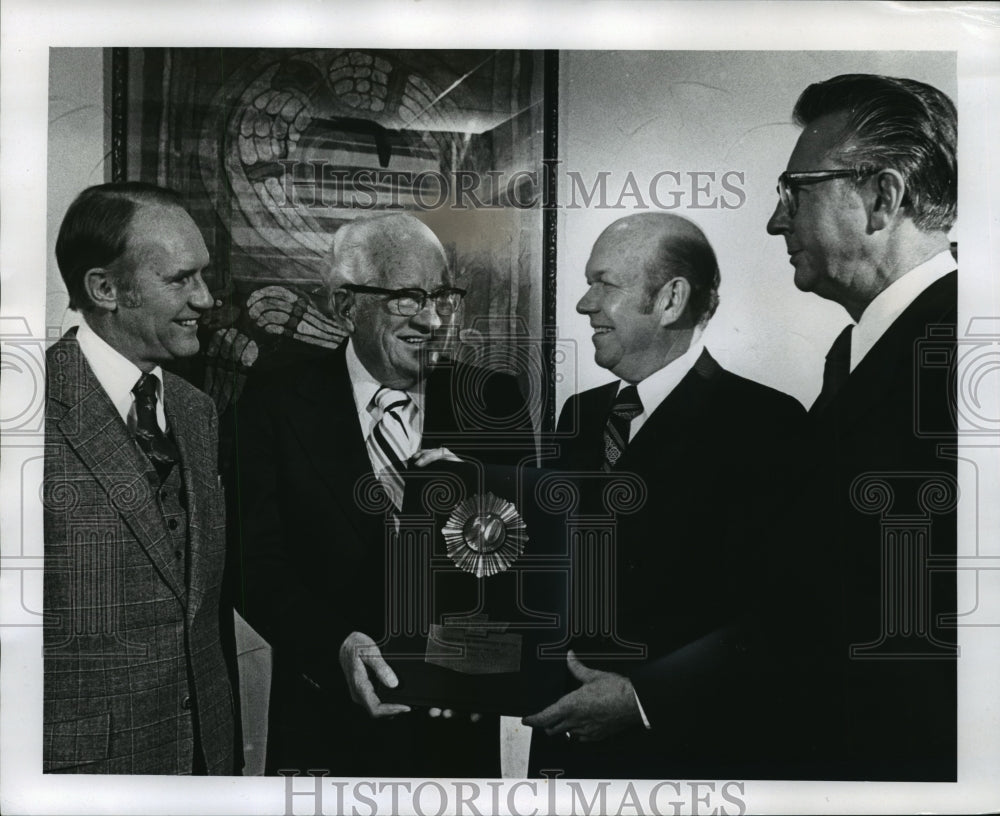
791,179
417,295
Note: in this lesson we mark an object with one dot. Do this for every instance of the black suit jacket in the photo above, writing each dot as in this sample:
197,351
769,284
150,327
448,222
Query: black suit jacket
712,459
314,560
877,574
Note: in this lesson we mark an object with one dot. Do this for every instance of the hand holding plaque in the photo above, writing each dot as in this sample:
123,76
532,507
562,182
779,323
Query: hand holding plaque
359,657
482,592
428,456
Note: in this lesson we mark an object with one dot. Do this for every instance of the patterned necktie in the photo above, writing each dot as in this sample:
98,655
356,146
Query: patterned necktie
627,406
160,449
836,371
392,441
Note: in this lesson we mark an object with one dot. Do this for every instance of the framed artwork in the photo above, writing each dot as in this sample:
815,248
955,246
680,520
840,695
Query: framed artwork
274,149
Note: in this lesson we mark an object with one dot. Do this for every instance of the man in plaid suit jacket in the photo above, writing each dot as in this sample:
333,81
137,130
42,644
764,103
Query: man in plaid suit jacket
136,678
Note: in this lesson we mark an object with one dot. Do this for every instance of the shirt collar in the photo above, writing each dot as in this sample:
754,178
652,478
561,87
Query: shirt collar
116,373
658,385
364,386
892,301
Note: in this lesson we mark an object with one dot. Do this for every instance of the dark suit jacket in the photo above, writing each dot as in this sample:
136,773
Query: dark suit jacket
314,560
712,458
879,576
133,661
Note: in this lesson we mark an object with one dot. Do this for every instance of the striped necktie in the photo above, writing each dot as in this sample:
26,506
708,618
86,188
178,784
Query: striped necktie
627,406
159,447
392,440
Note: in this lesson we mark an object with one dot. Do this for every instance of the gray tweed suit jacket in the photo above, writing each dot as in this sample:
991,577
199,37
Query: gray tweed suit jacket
135,675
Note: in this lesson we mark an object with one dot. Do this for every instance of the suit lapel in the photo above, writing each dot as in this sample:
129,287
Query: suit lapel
586,450
654,444
668,432
327,426
189,432
439,405
85,416
891,359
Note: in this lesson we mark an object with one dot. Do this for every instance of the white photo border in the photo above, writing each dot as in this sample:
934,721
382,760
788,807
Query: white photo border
28,31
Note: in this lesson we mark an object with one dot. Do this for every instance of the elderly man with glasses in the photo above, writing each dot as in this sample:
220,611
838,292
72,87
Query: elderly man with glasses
865,207
315,559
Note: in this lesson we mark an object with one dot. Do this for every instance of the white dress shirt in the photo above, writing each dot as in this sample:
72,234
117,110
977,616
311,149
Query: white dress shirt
658,385
117,374
892,301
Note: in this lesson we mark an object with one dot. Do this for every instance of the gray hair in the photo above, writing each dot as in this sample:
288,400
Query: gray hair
363,250
902,124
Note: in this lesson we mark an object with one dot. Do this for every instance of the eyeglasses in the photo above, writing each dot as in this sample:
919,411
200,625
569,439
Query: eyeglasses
790,181
408,302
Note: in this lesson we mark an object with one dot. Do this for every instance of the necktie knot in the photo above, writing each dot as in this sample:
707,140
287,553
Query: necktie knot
840,351
145,387
627,404
389,400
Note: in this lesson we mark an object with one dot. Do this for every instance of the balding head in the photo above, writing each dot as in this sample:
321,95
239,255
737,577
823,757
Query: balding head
665,246
653,281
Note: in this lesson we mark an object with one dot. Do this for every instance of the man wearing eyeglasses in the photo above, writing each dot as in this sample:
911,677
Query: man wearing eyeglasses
865,207
309,439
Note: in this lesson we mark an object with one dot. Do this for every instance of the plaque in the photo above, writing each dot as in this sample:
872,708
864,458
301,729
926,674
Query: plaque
482,574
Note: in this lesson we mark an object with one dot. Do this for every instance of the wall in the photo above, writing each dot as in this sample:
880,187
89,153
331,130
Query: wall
620,111
76,157
686,111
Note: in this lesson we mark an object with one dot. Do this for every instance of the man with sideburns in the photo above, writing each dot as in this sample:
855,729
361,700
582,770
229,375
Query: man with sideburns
137,680
710,450
865,207
315,557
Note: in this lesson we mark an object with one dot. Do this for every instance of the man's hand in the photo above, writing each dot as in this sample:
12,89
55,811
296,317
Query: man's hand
604,705
358,656
425,457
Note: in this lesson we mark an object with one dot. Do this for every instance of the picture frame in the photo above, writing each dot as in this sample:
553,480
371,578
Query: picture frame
273,150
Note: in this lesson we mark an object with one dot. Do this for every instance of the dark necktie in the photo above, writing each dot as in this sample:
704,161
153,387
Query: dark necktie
836,371
154,442
627,407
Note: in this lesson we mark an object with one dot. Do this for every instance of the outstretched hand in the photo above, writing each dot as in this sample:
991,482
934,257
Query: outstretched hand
603,706
360,658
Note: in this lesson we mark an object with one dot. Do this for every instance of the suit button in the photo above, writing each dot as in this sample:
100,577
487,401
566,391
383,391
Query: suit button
178,554
172,524
164,495
186,703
